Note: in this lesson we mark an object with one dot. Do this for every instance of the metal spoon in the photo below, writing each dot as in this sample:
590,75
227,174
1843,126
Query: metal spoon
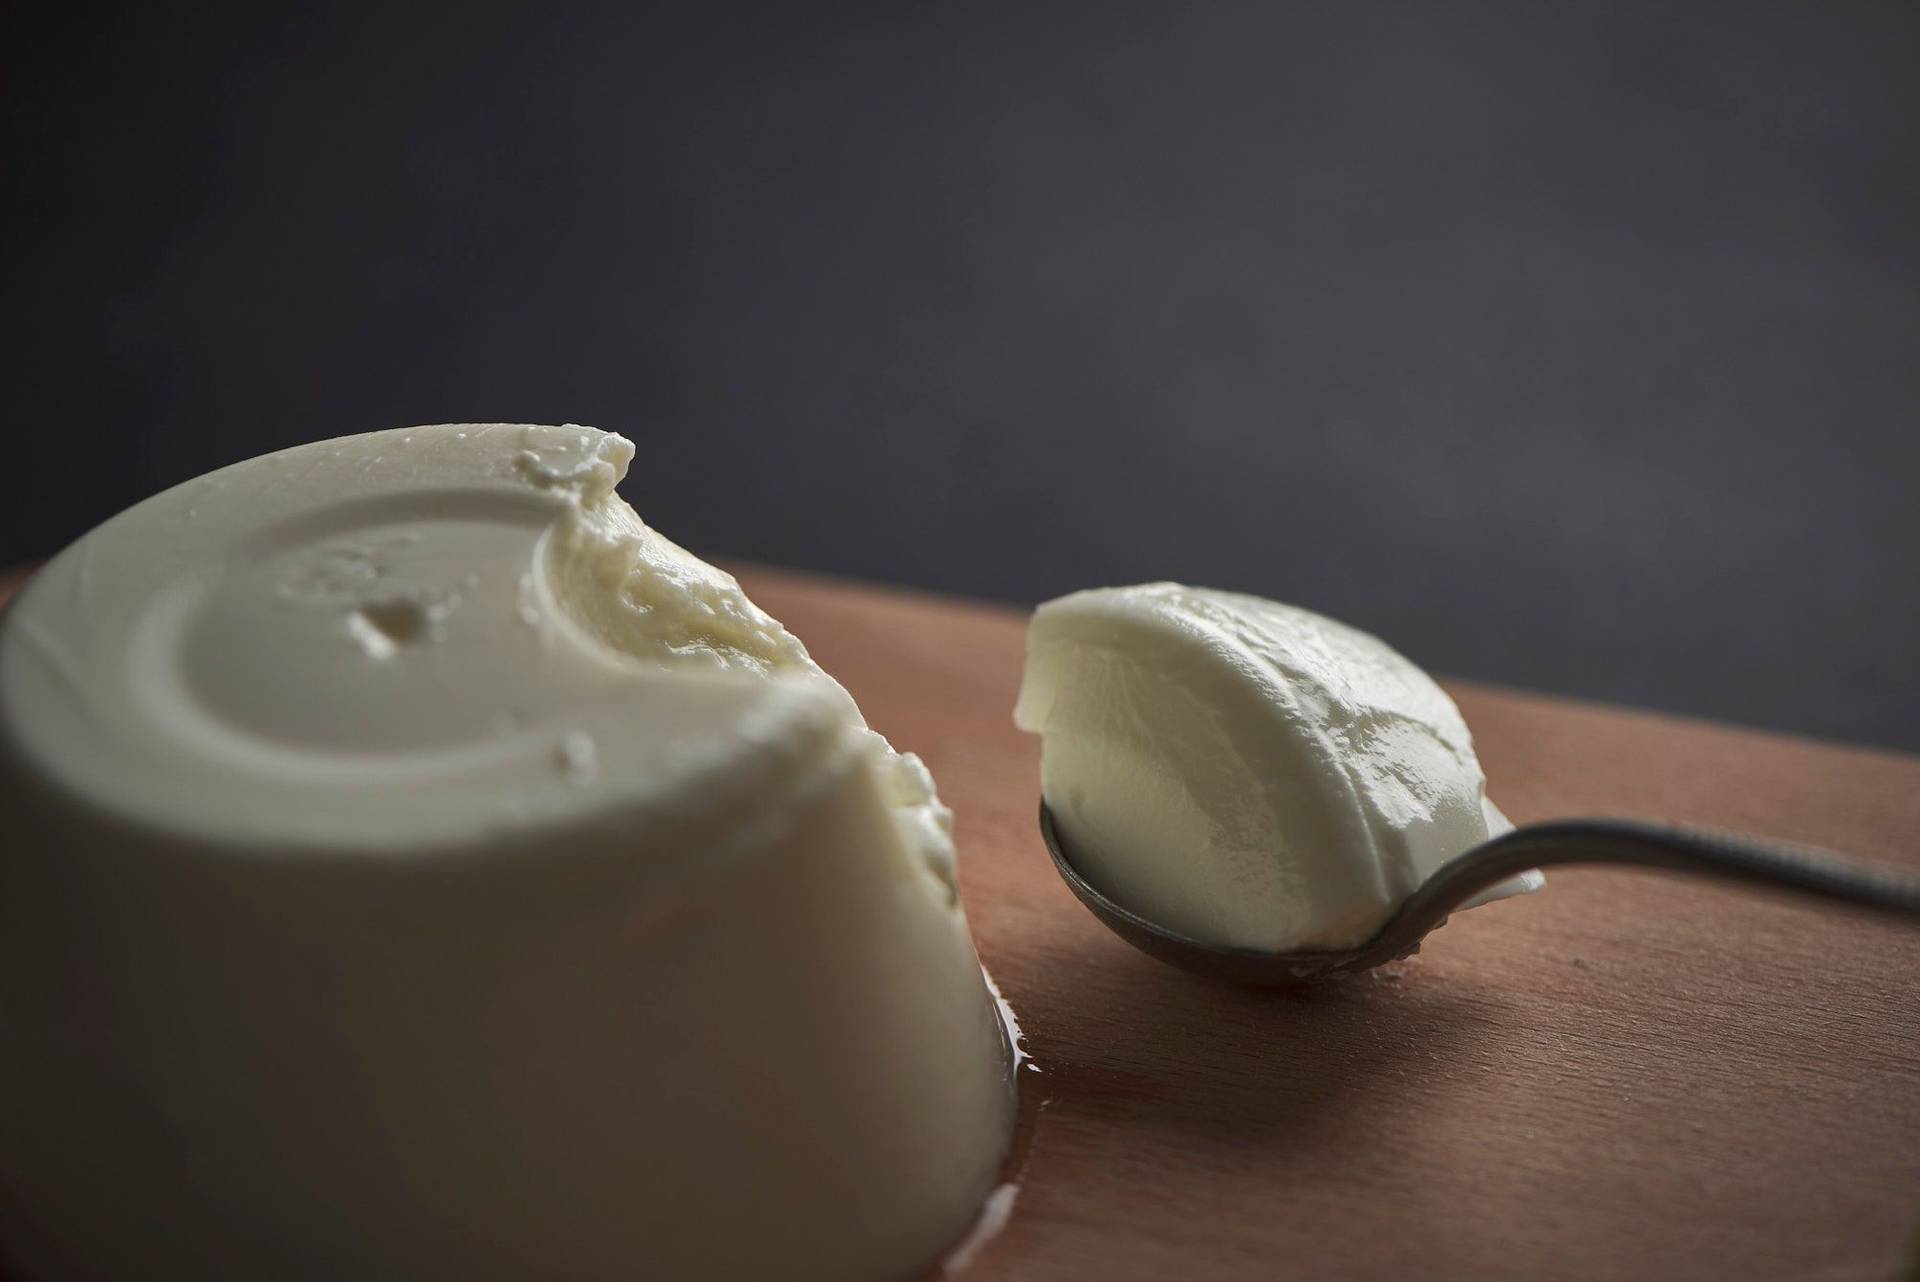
1561,841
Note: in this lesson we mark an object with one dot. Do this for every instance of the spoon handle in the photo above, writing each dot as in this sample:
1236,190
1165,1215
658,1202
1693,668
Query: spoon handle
1644,845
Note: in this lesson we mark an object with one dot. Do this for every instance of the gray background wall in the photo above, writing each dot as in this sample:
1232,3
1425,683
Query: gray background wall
1572,346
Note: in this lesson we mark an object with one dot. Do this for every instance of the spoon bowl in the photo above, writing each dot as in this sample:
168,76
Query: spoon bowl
1818,874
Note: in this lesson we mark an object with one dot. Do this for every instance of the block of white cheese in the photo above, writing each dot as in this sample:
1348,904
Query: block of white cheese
1245,772
419,868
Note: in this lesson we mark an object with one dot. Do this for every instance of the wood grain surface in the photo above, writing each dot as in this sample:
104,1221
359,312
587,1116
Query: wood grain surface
1624,1076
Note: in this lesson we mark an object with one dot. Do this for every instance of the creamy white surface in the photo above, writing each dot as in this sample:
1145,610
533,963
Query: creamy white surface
1246,772
433,868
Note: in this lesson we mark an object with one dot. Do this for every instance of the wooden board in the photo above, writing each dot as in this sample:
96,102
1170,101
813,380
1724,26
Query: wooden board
1624,1076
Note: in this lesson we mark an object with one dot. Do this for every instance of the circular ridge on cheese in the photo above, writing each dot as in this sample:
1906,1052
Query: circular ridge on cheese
421,867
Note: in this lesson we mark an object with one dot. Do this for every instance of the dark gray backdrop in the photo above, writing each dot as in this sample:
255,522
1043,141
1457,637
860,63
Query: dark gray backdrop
1574,346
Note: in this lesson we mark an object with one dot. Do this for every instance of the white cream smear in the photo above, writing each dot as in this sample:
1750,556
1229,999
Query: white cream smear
423,868
1244,772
